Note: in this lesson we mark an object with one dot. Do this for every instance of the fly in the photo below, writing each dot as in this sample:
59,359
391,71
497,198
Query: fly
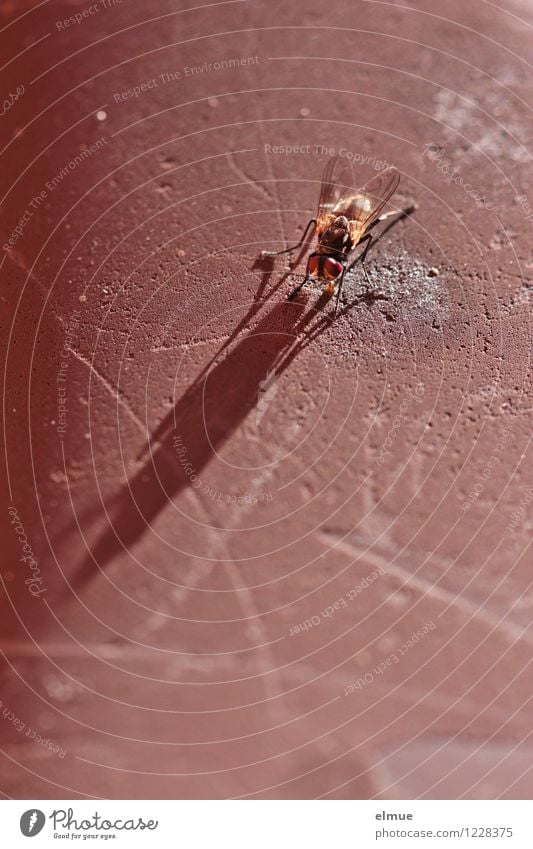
344,221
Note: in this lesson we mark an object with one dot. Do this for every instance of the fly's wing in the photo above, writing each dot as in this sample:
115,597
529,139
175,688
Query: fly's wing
365,205
337,183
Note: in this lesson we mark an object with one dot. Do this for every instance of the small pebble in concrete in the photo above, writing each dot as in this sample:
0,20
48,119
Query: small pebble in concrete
433,272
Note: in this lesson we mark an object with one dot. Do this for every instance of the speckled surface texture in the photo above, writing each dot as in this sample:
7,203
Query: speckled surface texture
269,554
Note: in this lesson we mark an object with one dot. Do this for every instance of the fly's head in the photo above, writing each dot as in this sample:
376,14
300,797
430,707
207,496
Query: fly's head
325,268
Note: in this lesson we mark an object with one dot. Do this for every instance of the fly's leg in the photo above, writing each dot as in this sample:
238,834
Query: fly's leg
402,213
339,290
368,239
267,254
298,288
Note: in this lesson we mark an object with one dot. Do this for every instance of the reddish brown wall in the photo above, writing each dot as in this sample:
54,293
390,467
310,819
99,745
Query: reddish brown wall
232,466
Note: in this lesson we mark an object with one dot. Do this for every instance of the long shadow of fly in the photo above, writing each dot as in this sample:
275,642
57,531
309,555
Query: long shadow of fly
203,419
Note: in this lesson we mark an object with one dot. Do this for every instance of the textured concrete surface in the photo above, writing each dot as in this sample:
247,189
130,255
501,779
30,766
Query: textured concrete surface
268,554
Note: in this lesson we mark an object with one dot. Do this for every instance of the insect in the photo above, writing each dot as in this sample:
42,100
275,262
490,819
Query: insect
344,220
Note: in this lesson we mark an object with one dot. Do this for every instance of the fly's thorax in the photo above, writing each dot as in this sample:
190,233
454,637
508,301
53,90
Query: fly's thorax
336,239
341,222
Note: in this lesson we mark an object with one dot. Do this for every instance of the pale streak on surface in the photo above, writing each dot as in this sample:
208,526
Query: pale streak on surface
248,180
439,701
113,390
491,620
18,260
259,636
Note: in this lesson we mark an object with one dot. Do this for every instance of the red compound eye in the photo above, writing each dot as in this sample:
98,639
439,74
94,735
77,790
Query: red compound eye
332,268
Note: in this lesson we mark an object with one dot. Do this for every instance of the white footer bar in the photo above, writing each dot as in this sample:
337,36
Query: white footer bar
268,824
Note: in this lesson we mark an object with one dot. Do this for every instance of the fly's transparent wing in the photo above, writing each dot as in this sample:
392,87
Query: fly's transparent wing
337,183
365,205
